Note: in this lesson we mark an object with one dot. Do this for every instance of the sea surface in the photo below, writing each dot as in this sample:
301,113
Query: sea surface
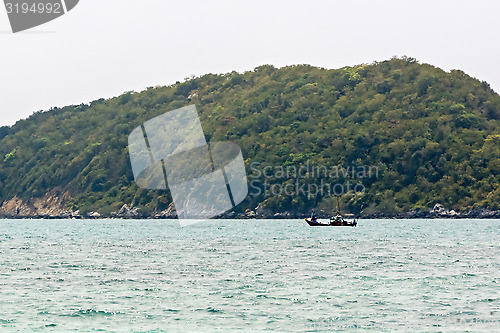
249,275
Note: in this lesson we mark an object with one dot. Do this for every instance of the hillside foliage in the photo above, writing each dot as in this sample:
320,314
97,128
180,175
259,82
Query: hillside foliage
434,137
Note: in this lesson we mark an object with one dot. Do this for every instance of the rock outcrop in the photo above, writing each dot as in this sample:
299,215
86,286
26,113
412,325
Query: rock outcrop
51,206
126,212
168,213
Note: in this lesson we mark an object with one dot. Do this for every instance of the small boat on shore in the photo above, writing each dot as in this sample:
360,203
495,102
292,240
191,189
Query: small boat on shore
335,221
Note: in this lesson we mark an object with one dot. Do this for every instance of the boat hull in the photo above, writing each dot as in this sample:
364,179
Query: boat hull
332,224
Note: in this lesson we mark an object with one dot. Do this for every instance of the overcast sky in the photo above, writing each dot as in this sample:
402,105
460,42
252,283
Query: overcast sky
103,48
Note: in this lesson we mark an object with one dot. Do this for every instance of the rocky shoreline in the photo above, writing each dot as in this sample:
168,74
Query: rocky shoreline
127,212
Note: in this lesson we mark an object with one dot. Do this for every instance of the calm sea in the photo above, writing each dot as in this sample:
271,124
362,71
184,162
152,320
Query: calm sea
267,275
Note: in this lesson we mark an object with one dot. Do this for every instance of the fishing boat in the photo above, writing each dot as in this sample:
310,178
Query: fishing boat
335,221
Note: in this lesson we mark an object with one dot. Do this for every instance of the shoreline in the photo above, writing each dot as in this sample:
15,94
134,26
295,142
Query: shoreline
128,212
139,218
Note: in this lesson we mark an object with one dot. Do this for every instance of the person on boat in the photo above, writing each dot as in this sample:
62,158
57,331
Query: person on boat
313,217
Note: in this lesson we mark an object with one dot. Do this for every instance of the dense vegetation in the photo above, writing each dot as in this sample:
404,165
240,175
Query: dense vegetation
434,137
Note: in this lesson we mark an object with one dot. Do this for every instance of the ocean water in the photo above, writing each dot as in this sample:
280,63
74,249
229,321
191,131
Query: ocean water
250,275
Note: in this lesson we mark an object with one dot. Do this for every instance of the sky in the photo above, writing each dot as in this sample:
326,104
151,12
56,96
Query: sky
103,48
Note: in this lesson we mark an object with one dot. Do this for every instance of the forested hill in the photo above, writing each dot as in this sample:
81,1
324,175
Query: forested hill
431,137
